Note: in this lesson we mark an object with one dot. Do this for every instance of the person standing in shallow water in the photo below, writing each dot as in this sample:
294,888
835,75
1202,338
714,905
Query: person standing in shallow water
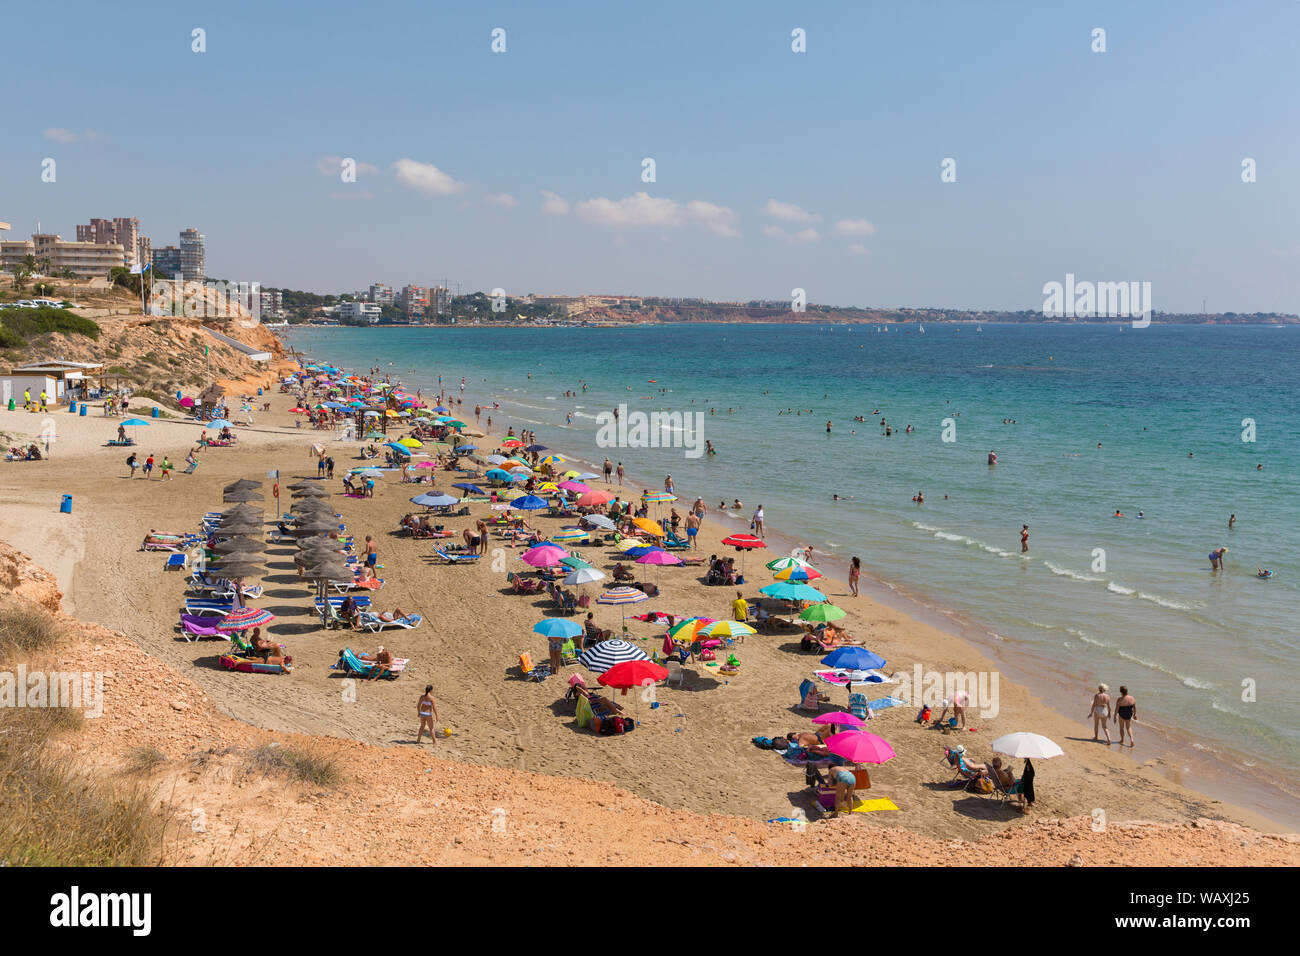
1100,712
1024,538
1125,714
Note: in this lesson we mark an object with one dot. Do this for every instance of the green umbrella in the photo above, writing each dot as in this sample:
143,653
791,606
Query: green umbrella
574,563
822,612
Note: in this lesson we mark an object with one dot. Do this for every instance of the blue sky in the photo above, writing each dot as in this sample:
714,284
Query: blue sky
819,170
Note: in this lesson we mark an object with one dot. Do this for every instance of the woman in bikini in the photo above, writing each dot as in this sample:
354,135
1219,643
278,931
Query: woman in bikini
1100,711
427,711
855,572
1125,714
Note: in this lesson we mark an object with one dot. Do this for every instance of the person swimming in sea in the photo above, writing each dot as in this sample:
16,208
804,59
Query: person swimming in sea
1262,572
1118,513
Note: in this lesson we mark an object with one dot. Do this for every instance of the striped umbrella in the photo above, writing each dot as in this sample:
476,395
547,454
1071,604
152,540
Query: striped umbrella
623,596
608,653
553,460
244,618
781,564
686,631
659,497
728,629
797,574
569,534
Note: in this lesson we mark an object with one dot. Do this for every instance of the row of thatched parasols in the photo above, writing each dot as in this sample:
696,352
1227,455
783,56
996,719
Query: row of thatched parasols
241,533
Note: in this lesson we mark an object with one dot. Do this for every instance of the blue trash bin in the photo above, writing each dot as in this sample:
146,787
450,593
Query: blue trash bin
259,391
82,411
72,407
155,411
66,506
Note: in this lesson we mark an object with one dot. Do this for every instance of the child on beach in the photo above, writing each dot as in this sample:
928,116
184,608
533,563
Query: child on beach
148,467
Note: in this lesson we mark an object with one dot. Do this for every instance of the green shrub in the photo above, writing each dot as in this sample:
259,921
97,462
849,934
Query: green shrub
25,323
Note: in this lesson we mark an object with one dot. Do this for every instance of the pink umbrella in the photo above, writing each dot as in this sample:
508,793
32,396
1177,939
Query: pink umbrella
427,464
544,556
593,499
576,487
860,747
839,717
658,557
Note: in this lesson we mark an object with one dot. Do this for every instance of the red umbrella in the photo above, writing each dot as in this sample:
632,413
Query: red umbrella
743,543
633,674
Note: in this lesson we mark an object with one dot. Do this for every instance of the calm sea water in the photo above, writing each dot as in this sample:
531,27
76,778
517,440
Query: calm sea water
1188,643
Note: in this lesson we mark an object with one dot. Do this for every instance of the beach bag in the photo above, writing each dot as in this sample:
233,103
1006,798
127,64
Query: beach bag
983,785
707,655
669,647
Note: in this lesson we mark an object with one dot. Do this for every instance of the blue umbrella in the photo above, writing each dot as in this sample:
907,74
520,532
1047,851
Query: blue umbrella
333,405
529,503
401,449
442,411
459,449
136,421
557,627
787,591
853,659
472,489
641,551
215,423
434,501
536,448
496,474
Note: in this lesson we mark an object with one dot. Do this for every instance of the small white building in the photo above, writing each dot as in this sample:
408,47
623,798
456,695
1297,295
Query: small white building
55,377
13,386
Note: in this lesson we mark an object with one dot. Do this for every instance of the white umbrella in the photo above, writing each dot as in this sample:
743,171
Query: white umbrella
584,576
1024,744
598,521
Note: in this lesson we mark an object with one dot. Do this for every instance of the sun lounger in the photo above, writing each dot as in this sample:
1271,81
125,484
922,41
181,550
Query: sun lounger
194,626
456,558
205,607
176,562
115,443
169,542
371,584
354,666
373,622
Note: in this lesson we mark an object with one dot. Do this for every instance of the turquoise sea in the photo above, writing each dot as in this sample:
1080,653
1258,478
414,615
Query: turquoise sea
1105,418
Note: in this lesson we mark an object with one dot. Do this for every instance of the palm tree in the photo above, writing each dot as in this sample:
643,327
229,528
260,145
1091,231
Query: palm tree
30,264
45,266
20,275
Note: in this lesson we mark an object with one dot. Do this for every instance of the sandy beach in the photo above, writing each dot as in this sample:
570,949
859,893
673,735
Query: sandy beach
693,752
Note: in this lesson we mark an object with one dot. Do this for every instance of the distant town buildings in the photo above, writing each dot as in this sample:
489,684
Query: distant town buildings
414,301
124,232
381,294
54,256
167,261
272,303
364,311
193,264
440,299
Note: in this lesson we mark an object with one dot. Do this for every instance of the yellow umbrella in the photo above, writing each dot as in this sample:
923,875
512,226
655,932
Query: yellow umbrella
554,460
514,463
571,474
392,414
729,629
411,442
650,527
548,486
627,544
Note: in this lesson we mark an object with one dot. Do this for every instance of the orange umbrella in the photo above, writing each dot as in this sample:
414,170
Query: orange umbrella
648,526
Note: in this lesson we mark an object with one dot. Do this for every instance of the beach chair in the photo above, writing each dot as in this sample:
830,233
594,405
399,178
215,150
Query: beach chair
456,558
1002,794
531,671
373,622
176,562
206,607
675,669
569,652
674,543
858,706
194,627
354,666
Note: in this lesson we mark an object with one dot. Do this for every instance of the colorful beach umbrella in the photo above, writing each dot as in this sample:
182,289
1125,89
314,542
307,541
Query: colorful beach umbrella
557,627
594,499
529,503
648,526
841,718
577,487
729,629
853,659
797,574
606,654
790,591
569,534
822,612
244,618
640,673
860,747
544,555
744,542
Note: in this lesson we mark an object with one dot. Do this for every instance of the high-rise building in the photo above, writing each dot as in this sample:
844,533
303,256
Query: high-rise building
367,311
193,264
381,294
414,301
121,231
166,262
272,303
440,299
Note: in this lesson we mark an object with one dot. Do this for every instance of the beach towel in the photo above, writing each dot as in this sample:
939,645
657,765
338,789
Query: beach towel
201,626
884,702
843,677
871,806
585,716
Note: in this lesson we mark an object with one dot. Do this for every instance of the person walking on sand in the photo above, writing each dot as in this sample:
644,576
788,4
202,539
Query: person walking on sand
855,572
1125,714
1100,712
692,528
132,462
427,710
372,553
620,473
609,470
165,469
1024,538
148,468
757,521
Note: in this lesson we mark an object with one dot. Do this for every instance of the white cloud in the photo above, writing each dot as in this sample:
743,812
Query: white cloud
60,135
643,210
854,227
789,211
333,165
639,209
858,249
553,204
426,178
717,219
505,200
803,235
